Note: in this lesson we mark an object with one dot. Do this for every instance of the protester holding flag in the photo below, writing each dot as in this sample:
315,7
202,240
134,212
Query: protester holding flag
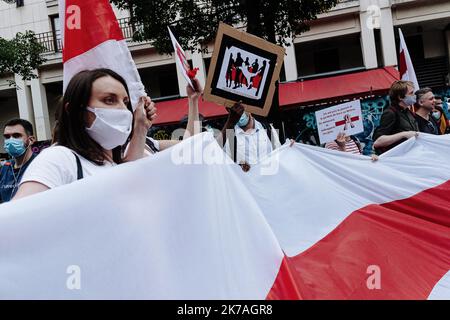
193,126
92,39
397,123
95,122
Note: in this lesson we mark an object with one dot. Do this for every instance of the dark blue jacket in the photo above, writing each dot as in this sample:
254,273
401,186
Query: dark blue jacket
10,179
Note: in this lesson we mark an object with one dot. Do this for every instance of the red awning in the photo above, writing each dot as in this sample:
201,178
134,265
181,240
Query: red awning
300,93
171,112
358,84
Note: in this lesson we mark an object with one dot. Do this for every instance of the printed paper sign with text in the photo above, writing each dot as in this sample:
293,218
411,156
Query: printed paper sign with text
345,117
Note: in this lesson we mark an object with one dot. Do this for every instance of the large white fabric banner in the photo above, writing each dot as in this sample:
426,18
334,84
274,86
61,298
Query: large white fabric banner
187,223
153,229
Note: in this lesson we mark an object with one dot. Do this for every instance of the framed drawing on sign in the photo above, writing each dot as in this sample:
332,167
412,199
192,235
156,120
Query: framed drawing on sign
243,68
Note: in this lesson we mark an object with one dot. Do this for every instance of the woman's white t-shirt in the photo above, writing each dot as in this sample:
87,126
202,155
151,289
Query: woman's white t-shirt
57,166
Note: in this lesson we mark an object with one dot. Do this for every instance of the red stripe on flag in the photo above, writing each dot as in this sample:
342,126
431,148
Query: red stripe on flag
402,64
88,24
409,240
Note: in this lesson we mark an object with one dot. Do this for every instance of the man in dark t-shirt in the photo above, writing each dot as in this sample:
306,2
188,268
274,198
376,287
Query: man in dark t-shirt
424,108
427,126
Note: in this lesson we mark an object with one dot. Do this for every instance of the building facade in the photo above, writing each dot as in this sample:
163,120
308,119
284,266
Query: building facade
355,36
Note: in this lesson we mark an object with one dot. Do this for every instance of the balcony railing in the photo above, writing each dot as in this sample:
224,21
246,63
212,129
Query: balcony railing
49,41
52,44
128,29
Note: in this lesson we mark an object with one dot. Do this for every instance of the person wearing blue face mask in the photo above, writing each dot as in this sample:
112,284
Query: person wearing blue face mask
441,114
18,139
247,140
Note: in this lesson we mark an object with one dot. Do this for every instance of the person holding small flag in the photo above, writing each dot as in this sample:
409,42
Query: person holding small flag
96,122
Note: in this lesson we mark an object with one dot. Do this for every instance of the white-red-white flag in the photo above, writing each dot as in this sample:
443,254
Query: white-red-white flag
212,242
319,224
92,38
356,229
180,58
405,65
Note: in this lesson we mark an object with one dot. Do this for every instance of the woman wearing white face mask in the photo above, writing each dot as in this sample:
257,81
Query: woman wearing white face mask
94,123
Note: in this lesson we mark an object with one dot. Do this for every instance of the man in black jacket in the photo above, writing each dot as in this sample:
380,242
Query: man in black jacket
397,123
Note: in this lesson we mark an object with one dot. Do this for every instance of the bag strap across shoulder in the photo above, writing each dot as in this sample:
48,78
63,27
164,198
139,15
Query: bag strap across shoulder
79,167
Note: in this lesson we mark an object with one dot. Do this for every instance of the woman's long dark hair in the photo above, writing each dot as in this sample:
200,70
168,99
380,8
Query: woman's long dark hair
70,123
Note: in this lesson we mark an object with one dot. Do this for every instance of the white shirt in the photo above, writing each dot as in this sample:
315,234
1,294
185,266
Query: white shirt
57,166
253,145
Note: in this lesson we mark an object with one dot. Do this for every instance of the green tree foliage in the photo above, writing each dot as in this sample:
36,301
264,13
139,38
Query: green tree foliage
196,21
21,55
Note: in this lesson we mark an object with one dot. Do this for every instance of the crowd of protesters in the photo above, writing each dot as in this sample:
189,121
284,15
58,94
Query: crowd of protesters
96,128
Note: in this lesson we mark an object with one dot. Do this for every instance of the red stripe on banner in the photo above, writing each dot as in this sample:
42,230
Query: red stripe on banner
181,54
405,244
284,287
88,24
341,123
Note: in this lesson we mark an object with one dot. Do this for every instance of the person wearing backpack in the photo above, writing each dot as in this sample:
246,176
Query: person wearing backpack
250,140
397,122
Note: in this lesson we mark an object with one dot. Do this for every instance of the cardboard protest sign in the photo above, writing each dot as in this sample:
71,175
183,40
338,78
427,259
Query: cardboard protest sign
243,68
345,117
181,60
